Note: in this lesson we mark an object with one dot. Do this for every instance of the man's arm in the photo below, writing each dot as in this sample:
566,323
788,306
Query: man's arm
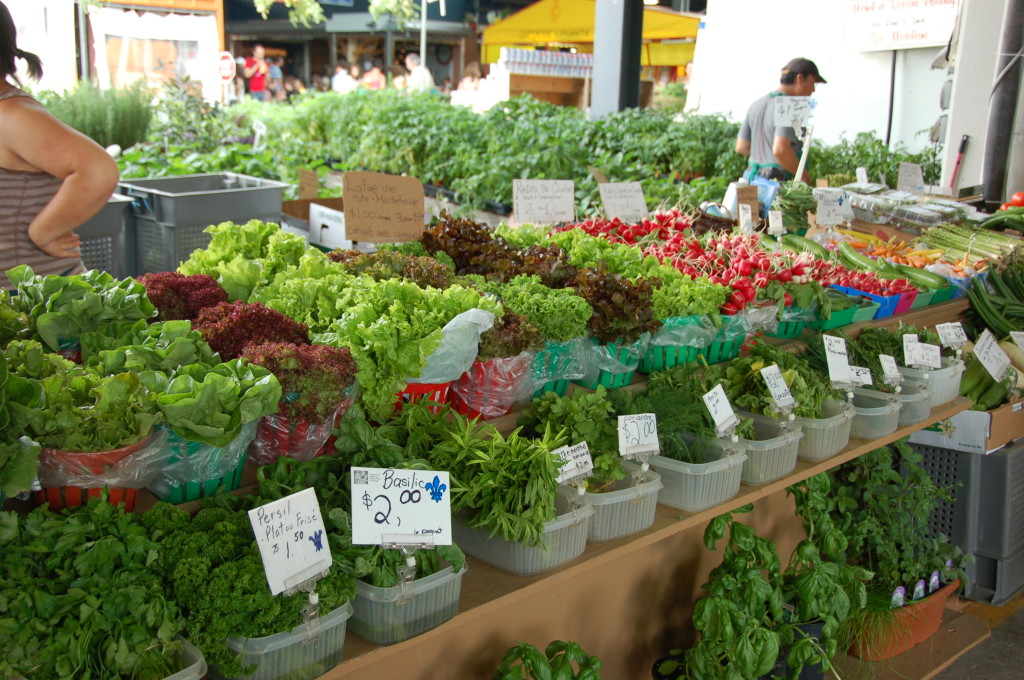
249,71
743,147
782,147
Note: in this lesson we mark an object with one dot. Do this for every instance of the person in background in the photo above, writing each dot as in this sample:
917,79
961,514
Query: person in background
52,178
374,78
774,151
470,77
342,81
355,73
256,71
399,77
420,79
293,87
276,73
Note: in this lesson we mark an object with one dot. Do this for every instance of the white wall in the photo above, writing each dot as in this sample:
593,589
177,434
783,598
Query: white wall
974,72
47,28
745,43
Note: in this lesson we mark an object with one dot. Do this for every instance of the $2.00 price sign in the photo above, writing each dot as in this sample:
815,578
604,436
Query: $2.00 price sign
638,434
292,540
412,504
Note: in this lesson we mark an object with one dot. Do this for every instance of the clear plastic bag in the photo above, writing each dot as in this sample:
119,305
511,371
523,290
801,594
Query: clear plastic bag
458,348
130,467
489,388
759,319
558,361
685,331
614,358
301,439
736,326
199,462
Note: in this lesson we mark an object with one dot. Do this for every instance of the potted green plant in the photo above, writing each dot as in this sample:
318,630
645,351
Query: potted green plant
316,382
874,512
504,359
562,660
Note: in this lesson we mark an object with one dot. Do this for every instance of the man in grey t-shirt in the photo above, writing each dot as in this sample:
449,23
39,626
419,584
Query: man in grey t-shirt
774,152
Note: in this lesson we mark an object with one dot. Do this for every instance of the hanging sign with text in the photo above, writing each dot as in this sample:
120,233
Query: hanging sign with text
413,504
292,540
543,201
383,208
624,200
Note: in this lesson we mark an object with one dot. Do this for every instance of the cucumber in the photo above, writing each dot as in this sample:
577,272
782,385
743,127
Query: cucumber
854,260
803,245
925,279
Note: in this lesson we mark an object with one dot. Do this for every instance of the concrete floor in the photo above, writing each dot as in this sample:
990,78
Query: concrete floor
1001,656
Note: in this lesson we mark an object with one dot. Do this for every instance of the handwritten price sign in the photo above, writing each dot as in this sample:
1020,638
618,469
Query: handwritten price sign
412,504
576,462
638,434
292,540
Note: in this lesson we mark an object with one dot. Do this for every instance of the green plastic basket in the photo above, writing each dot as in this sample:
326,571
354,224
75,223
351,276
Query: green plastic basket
866,313
843,317
559,387
193,491
660,357
923,299
788,329
722,350
611,380
943,295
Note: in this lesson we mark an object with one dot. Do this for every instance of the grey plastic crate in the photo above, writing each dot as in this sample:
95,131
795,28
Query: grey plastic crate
204,199
995,580
1001,502
955,519
103,239
161,247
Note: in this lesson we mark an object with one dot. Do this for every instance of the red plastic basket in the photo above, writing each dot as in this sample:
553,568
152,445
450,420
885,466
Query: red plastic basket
417,392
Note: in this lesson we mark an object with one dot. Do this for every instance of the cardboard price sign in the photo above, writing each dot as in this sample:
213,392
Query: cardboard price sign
383,208
292,540
624,200
543,201
411,505
309,183
910,178
747,196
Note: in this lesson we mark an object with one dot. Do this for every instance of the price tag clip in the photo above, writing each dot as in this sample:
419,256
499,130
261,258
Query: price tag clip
407,545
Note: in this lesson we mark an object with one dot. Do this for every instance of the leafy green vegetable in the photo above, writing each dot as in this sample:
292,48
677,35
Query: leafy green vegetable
62,308
680,295
163,346
560,313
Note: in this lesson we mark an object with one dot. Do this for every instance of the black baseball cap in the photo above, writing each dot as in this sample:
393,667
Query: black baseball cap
804,66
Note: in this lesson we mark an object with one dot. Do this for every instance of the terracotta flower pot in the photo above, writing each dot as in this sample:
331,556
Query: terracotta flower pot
912,624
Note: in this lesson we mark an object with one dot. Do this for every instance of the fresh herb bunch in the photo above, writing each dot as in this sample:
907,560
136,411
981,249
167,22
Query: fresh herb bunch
868,346
584,417
177,296
746,388
795,200
555,662
211,567
314,378
560,313
62,308
86,603
622,308
18,456
424,271
242,257
230,326
506,484
510,335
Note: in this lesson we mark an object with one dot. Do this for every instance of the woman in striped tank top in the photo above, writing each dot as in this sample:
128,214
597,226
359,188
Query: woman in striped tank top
52,178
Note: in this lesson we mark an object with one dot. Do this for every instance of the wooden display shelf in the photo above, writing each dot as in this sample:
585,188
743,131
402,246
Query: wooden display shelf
492,598
958,634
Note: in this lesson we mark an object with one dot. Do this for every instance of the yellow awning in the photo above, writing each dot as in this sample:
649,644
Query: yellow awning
572,21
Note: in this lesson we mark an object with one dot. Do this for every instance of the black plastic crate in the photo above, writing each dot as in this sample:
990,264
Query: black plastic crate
103,239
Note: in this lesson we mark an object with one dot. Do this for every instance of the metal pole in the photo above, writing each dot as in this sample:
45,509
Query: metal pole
423,33
83,44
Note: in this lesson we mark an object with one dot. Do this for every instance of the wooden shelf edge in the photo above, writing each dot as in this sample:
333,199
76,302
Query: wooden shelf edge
668,522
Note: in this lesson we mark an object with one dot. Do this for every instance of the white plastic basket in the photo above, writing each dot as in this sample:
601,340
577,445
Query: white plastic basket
193,662
942,383
385,616
698,486
771,456
915,403
627,508
564,539
303,653
876,414
825,437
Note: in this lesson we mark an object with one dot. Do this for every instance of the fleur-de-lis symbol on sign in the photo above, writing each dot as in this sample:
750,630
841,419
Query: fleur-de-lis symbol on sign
436,489
318,539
